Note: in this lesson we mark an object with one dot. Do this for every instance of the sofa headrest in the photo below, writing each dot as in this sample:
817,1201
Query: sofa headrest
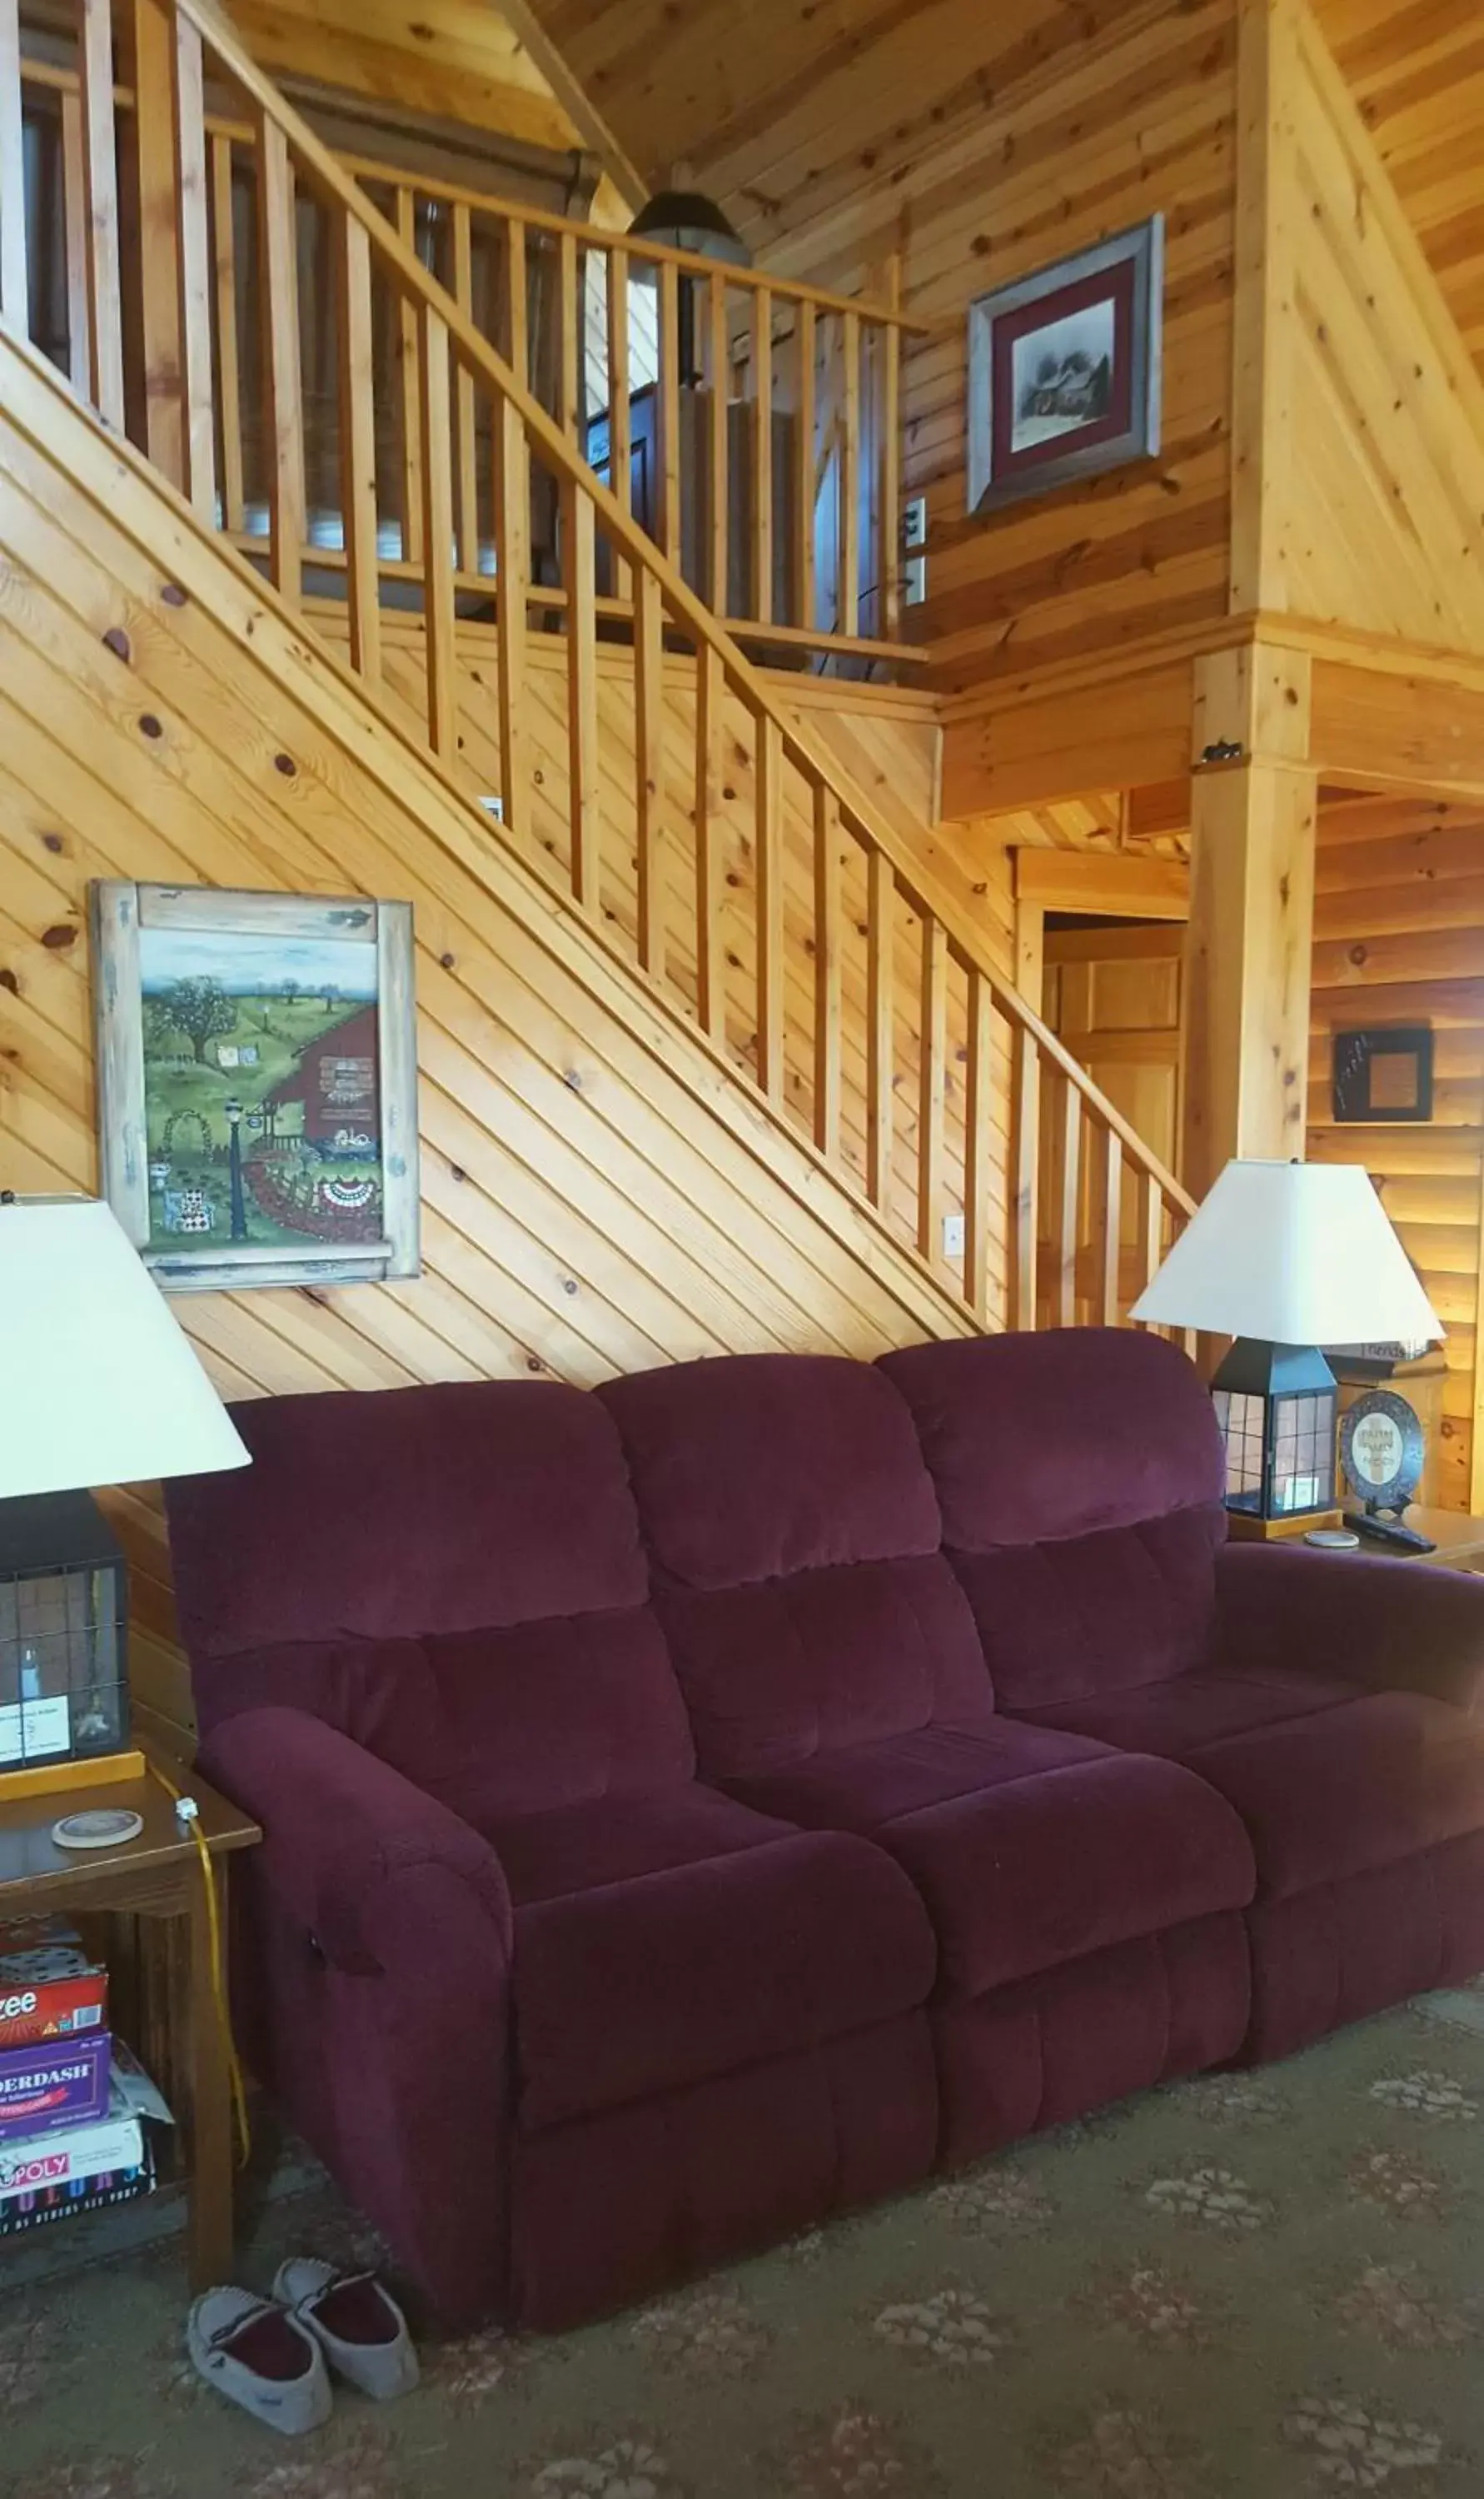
1033,1438
409,1511
755,1466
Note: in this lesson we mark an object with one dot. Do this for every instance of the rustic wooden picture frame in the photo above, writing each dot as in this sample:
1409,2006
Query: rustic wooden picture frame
121,918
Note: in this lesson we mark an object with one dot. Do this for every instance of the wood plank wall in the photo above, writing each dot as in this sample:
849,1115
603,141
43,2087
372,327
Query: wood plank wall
1379,488
1399,938
594,1197
1037,142
888,743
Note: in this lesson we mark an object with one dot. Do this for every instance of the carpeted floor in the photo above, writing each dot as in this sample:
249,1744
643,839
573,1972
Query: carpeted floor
1253,2287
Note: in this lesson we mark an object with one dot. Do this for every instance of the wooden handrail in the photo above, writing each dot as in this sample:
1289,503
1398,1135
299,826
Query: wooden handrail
432,187
768,343
807,823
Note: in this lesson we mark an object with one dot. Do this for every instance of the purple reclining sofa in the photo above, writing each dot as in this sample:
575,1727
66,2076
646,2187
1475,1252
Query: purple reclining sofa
697,1806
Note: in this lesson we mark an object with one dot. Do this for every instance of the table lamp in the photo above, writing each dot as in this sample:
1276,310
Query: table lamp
100,1387
1286,1257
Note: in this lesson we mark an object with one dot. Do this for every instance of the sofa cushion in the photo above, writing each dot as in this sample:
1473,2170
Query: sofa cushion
795,1539
1329,1782
663,1940
1187,1711
1361,1785
456,1507
495,1722
1081,1478
1028,1852
452,1576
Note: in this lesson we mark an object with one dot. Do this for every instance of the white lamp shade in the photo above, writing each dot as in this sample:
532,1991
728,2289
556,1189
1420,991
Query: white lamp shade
1292,1253
101,1385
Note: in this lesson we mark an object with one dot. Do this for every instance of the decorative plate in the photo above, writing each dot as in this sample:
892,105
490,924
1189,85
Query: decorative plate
1381,1449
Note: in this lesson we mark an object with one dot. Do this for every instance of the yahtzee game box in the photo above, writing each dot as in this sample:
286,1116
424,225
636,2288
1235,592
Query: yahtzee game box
49,1988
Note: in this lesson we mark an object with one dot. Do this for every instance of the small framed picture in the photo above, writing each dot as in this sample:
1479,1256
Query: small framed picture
1383,1072
1064,370
257,1084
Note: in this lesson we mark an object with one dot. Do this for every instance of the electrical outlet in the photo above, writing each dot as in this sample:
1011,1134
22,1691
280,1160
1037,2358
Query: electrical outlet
494,807
952,1236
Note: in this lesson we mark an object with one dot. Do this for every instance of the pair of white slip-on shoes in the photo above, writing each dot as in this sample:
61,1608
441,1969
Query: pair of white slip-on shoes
274,2356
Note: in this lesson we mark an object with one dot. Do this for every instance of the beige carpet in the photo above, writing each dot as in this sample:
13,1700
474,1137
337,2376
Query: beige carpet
1253,2287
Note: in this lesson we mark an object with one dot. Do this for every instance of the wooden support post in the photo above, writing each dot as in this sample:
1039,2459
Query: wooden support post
79,354
710,947
762,456
198,416
768,849
979,1104
228,362
1250,931
512,576
463,395
806,348
669,411
436,414
154,137
828,986
932,1070
358,448
889,622
620,400
849,618
1265,328
100,168
648,769
719,360
405,207
1025,1153
283,407
881,982
579,568
14,288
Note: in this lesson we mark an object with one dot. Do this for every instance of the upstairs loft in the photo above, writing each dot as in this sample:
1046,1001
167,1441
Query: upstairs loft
751,425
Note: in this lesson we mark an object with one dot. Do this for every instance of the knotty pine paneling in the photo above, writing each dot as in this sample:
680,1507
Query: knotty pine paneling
1417,74
983,143
1399,938
1381,485
889,746
597,1196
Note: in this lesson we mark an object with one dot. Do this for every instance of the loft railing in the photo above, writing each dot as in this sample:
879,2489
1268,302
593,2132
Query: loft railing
699,821
752,426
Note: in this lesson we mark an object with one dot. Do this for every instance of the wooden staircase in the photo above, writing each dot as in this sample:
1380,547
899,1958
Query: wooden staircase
786,999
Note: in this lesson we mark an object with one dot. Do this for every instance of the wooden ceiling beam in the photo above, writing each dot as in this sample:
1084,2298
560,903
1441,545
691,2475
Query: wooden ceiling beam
592,126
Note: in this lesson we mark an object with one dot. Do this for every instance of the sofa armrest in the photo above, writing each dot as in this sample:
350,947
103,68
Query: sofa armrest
1369,1619
371,1979
342,1830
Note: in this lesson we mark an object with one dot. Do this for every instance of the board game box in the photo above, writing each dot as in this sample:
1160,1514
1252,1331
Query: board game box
49,1988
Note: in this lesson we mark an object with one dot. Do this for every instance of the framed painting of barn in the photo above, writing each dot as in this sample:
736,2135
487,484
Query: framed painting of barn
1064,370
257,1084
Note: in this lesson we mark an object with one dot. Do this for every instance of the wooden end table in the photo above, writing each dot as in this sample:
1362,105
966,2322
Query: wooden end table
157,1876
1460,1540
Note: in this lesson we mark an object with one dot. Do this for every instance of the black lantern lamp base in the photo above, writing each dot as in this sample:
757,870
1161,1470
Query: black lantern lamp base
1276,1407
64,1694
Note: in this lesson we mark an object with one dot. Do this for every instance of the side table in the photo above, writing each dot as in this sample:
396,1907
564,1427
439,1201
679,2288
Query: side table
1460,1540
157,1876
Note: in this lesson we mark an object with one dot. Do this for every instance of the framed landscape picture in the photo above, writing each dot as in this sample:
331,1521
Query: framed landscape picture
1064,370
257,1084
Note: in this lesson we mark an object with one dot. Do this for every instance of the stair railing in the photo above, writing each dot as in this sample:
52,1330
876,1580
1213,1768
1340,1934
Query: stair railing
695,818
752,423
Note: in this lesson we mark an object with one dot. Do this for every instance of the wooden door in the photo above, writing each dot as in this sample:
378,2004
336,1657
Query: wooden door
1112,994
